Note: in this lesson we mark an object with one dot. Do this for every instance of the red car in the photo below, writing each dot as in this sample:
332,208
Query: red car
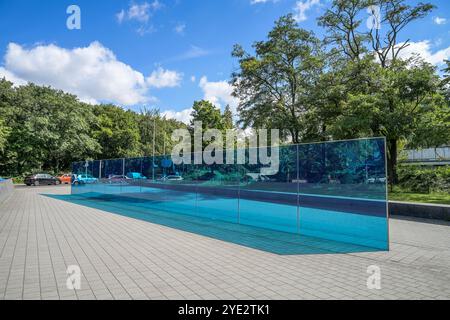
65,178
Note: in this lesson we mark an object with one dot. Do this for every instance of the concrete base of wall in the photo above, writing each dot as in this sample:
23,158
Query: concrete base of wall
420,210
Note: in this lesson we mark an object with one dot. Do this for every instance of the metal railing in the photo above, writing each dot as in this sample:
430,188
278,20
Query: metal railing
431,155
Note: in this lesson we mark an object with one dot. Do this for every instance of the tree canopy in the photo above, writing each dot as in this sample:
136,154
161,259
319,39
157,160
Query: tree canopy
352,83
46,129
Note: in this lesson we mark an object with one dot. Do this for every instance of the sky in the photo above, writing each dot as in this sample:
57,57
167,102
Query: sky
160,53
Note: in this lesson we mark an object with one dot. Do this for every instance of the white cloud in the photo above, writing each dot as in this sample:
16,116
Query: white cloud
439,20
121,16
161,78
11,77
140,13
192,53
156,5
179,28
183,115
93,73
218,93
262,1
143,30
193,78
301,7
423,49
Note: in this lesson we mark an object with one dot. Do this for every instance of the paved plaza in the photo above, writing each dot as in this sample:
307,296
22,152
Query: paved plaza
124,258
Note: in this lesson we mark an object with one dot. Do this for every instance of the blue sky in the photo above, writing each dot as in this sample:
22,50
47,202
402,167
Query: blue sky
164,53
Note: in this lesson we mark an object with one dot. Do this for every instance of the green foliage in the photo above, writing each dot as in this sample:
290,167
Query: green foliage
420,179
400,194
347,29
358,88
42,129
152,125
117,133
227,118
211,118
277,85
208,114
4,132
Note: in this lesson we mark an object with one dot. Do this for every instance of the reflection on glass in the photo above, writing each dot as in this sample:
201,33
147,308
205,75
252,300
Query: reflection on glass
332,190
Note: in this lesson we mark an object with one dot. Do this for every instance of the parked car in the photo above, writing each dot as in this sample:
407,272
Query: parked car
77,179
41,179
172,178
116,178
376,180
136,176
65,178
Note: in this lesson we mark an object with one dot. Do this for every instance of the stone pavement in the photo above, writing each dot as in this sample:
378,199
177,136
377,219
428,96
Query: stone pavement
124,258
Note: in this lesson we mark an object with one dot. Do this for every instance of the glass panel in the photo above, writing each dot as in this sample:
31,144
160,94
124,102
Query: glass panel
217,191
342,189
152,187
269,195
113,176
180,188
334,190
132,178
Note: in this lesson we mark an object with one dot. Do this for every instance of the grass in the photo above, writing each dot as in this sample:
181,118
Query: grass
399,194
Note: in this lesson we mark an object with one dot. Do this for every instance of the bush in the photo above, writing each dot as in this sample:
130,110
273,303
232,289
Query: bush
17,180
420,179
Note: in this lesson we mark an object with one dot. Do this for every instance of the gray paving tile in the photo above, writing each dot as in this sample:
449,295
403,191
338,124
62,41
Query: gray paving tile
123,258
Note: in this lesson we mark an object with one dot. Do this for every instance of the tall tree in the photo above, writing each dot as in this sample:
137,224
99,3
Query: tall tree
446,81
380,38
227,118
208,114
399,99
117,132
6,94
276,85
379,33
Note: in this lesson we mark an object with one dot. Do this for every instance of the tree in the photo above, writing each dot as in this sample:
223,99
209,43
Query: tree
227,118
4,132
379,100
446,81
434,129
46,129
117,132
208,114
6,92
276,85
399,99
354,38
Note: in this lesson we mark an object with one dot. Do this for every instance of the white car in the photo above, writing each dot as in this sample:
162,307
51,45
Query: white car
172,178
376,180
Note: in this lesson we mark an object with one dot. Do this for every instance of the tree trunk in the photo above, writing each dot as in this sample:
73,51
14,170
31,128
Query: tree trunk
392,161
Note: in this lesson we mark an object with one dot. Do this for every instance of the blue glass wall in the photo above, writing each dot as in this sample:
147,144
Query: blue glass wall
333,190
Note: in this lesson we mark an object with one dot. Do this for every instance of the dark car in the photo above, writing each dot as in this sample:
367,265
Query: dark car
41,179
